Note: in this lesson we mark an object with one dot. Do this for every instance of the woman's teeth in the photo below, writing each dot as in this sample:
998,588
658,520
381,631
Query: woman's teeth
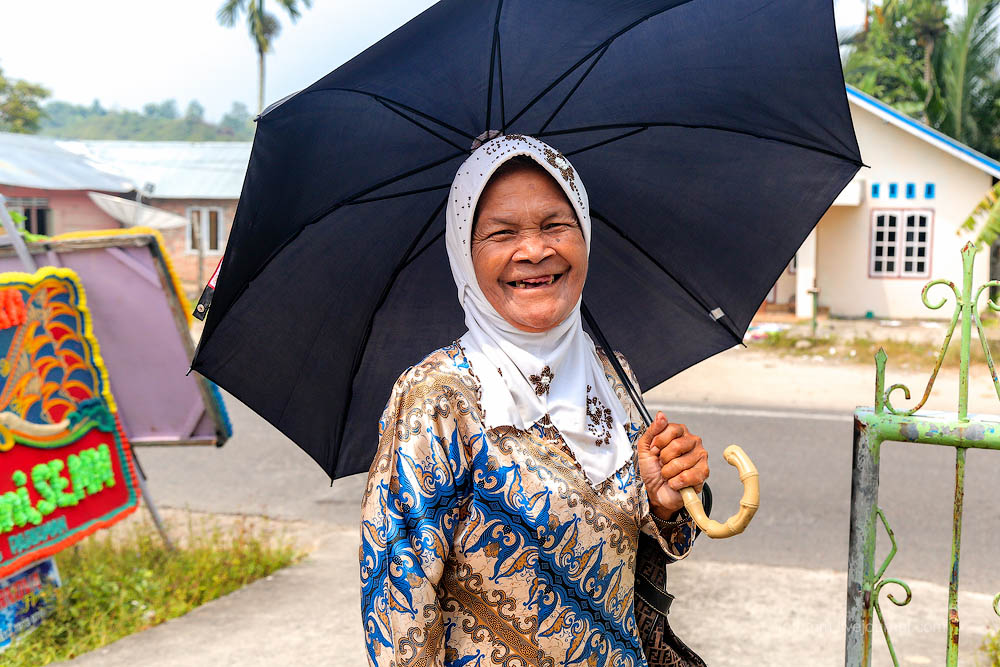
529,283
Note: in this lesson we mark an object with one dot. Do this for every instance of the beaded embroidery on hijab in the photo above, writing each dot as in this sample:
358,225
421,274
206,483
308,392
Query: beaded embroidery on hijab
553,378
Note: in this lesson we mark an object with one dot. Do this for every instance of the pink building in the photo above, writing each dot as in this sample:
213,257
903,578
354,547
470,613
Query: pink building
49,185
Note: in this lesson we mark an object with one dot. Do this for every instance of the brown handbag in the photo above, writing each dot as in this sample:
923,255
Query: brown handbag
652,604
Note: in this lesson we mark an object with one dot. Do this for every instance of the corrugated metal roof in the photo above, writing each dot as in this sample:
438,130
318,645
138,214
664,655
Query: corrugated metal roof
38,162
177,169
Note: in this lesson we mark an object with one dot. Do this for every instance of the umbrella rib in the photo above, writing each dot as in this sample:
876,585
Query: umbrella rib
724,320
493,64
587,56
606,141
574,88
694,126
316,218
418,124
407,107
411,259
418,191
359,355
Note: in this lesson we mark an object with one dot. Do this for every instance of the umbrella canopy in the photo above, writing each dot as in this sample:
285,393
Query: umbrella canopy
711,138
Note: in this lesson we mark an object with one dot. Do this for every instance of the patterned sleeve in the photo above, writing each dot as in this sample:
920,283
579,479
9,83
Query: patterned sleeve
676,537
419,480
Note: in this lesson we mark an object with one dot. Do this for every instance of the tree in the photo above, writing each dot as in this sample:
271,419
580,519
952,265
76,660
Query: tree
939,71
237,121
195,112
20,109
166,110
969,73
264,29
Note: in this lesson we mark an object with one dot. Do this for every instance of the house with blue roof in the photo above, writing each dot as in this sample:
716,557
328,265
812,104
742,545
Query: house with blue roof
895,226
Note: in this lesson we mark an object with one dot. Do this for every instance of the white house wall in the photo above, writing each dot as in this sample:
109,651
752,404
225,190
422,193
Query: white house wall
843,234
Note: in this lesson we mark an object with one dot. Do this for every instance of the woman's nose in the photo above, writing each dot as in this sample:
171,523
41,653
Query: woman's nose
532,247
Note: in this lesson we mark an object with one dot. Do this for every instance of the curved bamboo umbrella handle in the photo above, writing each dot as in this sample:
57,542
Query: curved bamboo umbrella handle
735,524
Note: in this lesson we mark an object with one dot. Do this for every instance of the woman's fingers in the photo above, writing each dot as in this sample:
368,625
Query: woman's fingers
653,434
677,464
694,475
680,444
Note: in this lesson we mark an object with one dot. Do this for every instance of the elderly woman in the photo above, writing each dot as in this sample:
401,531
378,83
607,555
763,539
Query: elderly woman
513,477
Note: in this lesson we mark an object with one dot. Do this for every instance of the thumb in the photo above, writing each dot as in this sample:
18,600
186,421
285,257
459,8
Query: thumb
657,427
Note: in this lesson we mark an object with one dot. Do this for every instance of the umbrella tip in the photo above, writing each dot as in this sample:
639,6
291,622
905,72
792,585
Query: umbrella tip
483,138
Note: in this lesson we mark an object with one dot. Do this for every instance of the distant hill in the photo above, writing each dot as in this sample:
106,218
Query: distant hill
156,122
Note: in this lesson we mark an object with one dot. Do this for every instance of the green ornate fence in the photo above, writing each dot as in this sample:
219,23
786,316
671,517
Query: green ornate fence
885,423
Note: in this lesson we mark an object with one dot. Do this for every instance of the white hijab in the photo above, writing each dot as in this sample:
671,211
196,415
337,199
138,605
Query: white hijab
526,376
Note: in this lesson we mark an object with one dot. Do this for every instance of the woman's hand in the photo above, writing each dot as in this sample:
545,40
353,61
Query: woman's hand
670,458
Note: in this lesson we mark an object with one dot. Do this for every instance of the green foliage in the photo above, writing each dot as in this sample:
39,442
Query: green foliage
157,122
941,71
116,585
20,101
991,648
263,26
986,216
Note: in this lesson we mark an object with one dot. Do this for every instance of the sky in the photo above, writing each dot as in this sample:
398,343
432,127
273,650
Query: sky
126,53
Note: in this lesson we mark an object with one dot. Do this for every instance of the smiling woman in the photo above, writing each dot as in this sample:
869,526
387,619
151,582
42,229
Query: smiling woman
505,503
528,249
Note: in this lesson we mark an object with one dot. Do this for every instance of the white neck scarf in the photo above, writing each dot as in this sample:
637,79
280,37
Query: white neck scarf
527,376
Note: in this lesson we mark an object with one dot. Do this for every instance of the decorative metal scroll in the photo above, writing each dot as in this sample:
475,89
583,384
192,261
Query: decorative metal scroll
965,304
877,589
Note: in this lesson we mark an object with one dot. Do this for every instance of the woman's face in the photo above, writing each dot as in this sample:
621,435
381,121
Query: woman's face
528,250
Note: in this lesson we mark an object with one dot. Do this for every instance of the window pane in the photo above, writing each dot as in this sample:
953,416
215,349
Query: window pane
891,220
879,236
920,267
213,230
42,221
907,266
891,251
878,267
909,251
920,251
890,266
911,221
922,237
892,237
194,228
878,250
880,221
909,236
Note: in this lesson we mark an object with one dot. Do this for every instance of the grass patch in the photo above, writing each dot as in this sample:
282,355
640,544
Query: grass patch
991,648
124,580
901,353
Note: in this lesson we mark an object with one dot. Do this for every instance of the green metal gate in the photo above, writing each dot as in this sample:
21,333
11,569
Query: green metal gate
884,423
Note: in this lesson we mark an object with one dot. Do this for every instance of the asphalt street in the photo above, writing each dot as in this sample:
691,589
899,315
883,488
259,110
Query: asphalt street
804,459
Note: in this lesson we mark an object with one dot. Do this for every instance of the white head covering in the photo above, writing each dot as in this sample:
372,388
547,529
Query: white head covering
526,376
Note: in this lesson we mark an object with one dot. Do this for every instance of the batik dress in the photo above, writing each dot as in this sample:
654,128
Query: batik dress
491,547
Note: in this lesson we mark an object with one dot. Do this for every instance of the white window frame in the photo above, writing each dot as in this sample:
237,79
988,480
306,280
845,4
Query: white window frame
222,230
900,244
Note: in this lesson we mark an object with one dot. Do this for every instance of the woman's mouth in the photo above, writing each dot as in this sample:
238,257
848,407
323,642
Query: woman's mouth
535,283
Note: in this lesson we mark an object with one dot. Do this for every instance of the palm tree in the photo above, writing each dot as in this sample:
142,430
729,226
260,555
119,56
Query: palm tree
264,28
968,66
929,25
985,217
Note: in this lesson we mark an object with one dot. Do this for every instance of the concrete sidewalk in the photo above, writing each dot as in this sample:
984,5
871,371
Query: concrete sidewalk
309,615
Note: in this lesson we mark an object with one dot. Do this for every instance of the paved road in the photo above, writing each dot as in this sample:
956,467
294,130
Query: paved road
804,459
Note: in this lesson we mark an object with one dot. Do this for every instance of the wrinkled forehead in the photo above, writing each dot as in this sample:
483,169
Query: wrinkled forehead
475,173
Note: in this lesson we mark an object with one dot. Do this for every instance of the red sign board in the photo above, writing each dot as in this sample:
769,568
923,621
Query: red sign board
65,465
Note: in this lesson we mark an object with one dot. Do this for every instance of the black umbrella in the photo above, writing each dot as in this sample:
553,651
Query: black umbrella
710,135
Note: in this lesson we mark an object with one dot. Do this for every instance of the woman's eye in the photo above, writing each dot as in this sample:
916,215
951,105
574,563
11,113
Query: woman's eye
500,233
